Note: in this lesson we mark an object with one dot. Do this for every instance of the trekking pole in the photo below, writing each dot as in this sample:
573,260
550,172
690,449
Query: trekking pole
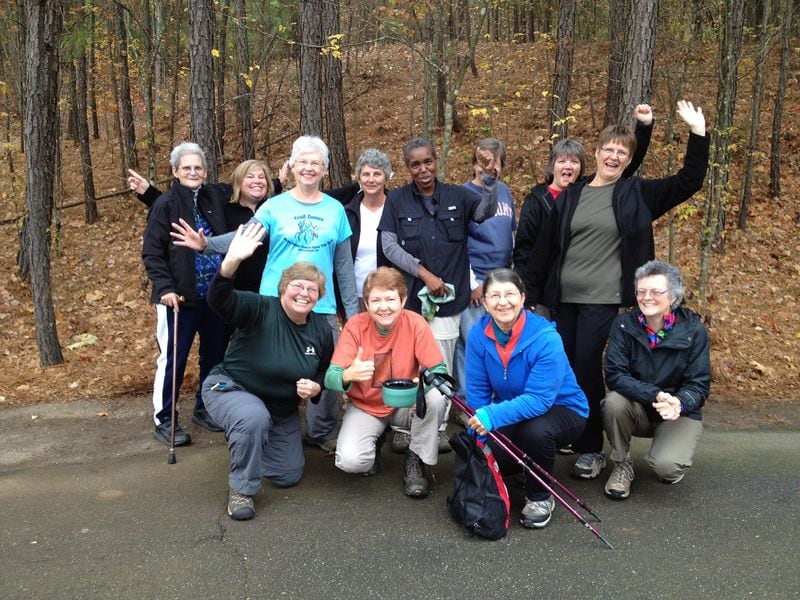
171,459
445,388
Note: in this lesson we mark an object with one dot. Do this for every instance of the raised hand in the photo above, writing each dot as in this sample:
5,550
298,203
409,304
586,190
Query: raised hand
137,183
184,235
244,243
487,161
360,370
692,116
643,114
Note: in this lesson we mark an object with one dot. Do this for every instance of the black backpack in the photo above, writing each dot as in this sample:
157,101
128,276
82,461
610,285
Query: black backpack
480,499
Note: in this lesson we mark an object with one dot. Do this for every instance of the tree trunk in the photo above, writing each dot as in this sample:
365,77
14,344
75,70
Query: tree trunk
310,67
201,83
41,119
616,47
147,89
731,18
243,81
176,68
131,157
340,173
90,213
91,79
559,99
220,64
21,73
117,116
430,77
777,114
160,66
637,62
752,145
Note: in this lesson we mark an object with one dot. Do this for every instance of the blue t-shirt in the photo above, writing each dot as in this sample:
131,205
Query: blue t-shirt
491,243
302,232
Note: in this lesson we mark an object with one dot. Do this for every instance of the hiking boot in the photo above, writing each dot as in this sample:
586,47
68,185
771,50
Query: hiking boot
589,465
672,480
444,443
376,467
618,485
240,506
400,441
202,418
327,446
415,476
537,513
162,432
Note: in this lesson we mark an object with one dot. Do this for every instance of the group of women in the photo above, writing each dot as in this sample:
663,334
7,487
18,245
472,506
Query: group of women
539,383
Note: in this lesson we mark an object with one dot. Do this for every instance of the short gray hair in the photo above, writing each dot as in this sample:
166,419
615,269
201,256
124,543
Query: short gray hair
675,289
310,143
493,145
184,148
376,159
565,147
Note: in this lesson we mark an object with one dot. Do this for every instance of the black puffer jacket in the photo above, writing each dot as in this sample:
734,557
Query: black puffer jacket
679,365
637,203
170,267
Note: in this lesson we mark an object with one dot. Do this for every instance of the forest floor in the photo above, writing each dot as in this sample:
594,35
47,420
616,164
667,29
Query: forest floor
101,294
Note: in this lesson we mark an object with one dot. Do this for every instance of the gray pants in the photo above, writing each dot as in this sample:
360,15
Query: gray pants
355,448
322,418
674,442
260,445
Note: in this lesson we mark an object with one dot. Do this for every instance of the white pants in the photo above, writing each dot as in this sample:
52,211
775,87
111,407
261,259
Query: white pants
355,447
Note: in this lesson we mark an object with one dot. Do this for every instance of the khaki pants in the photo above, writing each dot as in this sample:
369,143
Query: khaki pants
674,442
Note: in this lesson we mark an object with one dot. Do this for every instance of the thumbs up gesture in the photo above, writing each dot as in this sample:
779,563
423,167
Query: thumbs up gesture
360,370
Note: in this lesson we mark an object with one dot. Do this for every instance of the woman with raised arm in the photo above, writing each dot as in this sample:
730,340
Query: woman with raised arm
599,231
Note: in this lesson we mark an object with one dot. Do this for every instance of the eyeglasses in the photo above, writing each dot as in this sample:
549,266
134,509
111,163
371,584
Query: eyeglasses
623,154
299,287
309,164
654,293
191,169
510,297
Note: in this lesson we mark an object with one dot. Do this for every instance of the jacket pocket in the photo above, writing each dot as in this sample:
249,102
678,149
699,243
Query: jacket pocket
453,224
409,228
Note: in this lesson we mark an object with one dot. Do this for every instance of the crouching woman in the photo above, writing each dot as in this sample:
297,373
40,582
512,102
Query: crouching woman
276,359
520,383
386,342
658,369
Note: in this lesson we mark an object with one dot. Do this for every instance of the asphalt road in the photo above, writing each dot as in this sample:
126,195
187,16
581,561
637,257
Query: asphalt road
91,509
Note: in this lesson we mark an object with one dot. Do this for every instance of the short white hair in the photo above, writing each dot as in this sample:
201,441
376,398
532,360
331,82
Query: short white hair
309,143
184,148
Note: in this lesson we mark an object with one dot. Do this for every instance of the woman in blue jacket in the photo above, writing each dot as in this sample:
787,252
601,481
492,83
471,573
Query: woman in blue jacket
519,382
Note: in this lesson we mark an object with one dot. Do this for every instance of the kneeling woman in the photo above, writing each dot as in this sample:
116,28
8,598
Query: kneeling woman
277,358
386,342
520,383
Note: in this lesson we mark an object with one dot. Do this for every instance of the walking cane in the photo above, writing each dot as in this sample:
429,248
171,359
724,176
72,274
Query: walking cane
445,387
171,460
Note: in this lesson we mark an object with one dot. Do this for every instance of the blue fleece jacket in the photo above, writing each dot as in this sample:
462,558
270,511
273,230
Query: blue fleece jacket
538,375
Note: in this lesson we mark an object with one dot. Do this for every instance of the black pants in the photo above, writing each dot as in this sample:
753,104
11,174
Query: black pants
538,438
584,330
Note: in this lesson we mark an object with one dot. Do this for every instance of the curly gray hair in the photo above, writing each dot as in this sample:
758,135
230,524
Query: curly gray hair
675,289
376,159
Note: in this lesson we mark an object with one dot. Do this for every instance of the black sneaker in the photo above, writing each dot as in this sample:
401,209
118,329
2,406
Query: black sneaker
416,476
202,418
376,467
162,432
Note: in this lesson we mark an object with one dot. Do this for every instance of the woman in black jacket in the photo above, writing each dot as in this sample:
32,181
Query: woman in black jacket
567,165
597,234
658,372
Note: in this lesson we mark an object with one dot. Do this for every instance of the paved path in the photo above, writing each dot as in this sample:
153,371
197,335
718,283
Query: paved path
90,509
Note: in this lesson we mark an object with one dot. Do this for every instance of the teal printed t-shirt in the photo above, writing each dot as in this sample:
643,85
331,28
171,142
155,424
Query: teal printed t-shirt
301,232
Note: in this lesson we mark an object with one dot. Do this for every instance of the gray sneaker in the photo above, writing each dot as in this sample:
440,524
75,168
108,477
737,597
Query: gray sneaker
537,513
618,485
400,441
444,443
589,465
240,507
668,480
